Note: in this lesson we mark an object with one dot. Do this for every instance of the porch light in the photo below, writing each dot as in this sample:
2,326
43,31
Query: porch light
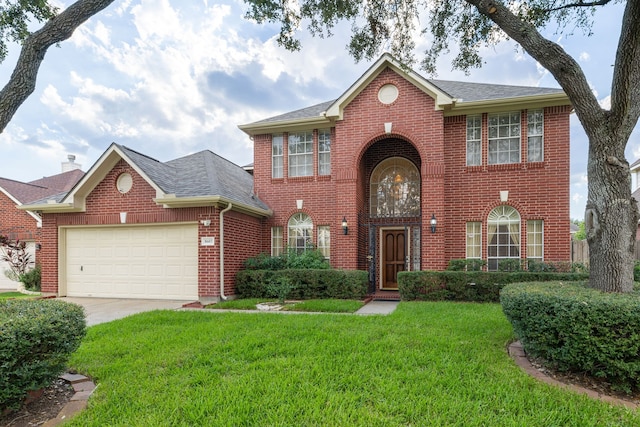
345,226
433,223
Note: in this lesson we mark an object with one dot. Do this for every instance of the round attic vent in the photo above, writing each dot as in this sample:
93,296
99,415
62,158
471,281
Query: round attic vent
124,183
388,94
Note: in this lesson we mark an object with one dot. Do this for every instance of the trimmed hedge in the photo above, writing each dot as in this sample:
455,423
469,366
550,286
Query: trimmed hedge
36,339
479,286
305,283
578,329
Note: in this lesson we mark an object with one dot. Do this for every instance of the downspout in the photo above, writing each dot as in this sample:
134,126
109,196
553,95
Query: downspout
221,223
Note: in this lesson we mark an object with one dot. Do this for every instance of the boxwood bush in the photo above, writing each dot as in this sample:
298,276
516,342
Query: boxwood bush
578,329
305,283
36,339
479,286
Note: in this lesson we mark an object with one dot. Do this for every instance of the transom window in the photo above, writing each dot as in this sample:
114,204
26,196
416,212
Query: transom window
324,152
300,232
504,138
503,236
474,140
535,135
395,189
301,154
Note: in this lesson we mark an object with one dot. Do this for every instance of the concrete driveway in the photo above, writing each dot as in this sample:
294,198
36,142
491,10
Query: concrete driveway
101,310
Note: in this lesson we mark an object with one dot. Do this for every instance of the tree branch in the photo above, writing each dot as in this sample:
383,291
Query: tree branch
625,86
22,82
551,56
578,4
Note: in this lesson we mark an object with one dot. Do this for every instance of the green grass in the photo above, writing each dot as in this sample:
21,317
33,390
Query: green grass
427,364
6,295
325,305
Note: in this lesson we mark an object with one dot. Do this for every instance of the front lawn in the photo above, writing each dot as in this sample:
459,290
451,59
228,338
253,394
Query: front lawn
427,364
318,305
12,294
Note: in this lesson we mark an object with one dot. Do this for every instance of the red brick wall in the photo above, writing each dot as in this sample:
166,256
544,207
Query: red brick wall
437,145
103,207
14,223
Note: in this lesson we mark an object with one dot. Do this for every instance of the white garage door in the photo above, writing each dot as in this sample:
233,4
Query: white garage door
5,282
154,262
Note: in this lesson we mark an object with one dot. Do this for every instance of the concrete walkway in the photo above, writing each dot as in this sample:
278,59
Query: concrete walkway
378,307
101,310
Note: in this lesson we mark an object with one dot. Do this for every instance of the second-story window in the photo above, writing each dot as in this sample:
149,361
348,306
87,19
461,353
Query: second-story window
277,156
324,152
300,154
504,138
535,132
474,140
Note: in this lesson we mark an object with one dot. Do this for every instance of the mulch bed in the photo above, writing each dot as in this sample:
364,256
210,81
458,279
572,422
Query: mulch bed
43,408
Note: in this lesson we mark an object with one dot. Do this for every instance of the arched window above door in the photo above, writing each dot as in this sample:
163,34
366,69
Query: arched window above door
395,189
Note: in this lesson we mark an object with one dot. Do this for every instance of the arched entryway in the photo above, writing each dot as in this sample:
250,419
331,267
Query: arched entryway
390,215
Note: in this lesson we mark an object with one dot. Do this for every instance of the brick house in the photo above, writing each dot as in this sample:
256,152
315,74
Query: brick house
26,225
135,227
405,173
398,173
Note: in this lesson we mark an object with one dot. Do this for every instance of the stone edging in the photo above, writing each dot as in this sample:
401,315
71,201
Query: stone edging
518,355
83,386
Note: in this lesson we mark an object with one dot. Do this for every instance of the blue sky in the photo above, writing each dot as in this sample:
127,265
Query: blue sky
168,78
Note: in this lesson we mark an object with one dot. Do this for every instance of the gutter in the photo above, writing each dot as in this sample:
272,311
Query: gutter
221,224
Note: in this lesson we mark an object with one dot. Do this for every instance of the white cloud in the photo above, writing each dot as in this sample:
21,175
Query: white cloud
584,57
577,197
605,102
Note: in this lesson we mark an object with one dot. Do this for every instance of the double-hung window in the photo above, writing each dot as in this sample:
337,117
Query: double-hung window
277,245
324,152
504,138
535,239
300,154
324,240
277,156
474,140
535,136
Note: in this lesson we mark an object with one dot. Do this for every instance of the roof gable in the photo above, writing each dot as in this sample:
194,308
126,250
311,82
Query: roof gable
451,97
200,179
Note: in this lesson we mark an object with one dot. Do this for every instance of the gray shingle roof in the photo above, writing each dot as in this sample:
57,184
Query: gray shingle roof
303,113
462,91
43,188
200,174
469,92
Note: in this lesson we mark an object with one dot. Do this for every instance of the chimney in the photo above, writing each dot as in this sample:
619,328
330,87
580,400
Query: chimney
70,164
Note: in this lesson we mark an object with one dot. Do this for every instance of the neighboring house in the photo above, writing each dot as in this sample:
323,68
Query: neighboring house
399,173
26,225
135,227
406,173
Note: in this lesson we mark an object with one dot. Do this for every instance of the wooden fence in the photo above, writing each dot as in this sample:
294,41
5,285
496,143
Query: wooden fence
580,251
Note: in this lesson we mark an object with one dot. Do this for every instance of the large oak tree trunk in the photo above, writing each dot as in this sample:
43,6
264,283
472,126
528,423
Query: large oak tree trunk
611,217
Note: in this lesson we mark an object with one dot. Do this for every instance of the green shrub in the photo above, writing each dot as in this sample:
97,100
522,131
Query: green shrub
578,329
279,287
31,279
291,258
306,284
36,339
479,286
636,271
466,264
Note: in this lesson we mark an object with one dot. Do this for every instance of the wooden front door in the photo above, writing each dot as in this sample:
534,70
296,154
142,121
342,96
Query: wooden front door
394,248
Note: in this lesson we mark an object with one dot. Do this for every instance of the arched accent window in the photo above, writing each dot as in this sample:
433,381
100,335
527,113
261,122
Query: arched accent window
300,232
395,189
503,235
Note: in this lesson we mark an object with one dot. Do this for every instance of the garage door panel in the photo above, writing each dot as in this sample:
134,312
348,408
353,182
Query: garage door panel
133,262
